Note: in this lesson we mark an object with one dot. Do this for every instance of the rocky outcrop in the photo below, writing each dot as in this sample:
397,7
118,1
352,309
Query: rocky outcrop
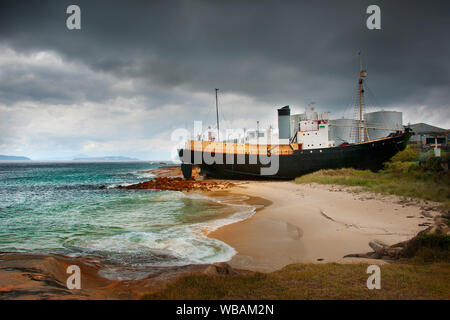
180,184
170,178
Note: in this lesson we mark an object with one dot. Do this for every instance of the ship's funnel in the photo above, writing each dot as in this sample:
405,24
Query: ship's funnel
284,125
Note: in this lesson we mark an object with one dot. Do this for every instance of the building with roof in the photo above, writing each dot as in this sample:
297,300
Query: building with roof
428,135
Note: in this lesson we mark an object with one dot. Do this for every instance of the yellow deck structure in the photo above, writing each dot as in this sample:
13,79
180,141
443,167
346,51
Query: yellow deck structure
241,148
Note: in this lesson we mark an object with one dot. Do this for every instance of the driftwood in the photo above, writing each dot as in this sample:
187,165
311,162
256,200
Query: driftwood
405,249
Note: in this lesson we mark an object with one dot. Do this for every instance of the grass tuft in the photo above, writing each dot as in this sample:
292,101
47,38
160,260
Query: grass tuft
324,281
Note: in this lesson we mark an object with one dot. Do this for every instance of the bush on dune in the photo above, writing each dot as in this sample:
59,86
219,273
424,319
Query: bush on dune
401,167
407,155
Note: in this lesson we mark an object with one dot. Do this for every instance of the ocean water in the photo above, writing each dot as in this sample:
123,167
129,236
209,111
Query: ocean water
51,207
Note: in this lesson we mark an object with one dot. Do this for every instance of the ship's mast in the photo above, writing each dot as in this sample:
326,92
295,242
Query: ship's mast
217,115
362,75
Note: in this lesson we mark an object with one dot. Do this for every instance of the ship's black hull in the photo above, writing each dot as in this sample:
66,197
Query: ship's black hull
369,155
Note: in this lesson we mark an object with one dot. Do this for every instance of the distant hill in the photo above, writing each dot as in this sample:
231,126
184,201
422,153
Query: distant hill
3,157
108,158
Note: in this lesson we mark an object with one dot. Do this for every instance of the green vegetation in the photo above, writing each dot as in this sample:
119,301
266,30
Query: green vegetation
436,241
323,281
431,248
409,154
402,176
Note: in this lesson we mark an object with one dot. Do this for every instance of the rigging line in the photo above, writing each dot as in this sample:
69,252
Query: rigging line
208,114
376,101
232,115
384,117
373,95
222,113
352,104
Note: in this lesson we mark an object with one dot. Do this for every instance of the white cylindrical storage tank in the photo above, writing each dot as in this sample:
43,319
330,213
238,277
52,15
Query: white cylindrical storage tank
381,123
284,125
343,130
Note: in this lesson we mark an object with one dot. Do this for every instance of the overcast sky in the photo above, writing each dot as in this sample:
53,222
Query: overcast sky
137,71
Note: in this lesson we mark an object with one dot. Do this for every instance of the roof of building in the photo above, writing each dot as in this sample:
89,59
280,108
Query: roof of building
423,128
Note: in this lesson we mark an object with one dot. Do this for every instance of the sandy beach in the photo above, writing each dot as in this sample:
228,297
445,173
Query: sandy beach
317,224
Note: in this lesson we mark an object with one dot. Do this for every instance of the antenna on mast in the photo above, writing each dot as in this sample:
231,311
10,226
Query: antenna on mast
217,115
362,75
360,61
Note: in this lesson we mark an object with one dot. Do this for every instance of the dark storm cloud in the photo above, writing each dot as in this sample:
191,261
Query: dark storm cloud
277,51
48,83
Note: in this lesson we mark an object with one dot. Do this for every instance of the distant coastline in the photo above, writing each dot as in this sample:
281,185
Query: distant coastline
107,158
5,157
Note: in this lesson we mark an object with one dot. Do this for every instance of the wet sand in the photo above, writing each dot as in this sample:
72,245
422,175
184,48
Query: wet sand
317,224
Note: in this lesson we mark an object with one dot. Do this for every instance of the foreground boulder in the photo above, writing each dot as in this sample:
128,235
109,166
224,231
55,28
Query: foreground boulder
217,269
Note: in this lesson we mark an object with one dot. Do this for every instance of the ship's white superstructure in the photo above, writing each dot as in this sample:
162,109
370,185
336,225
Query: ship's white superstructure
310,129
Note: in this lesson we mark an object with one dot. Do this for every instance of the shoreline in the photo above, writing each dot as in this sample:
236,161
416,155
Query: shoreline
292,223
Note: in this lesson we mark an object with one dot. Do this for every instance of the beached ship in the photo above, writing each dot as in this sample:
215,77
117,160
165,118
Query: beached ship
303,147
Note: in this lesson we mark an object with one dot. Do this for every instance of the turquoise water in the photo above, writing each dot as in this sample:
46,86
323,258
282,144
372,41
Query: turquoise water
52,207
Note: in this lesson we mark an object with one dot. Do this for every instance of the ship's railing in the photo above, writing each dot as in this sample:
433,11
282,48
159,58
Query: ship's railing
378,139
241,148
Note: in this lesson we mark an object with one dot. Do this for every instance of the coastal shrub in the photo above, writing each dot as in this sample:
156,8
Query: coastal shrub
445,155
345,176
428,248
407,155
432,248
401,166
433,164
431,255
437,241
423,156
